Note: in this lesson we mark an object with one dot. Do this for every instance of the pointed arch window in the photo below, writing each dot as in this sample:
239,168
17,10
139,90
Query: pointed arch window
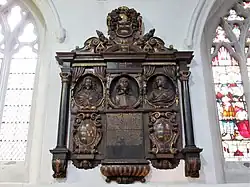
230,64
18,59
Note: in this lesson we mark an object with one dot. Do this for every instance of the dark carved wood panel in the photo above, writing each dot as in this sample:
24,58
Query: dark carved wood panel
125,94
125,137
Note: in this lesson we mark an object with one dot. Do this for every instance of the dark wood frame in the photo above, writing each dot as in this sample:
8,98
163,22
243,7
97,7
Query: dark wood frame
96,54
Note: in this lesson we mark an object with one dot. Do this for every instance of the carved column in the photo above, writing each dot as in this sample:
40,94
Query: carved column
60,153
191,152
187,115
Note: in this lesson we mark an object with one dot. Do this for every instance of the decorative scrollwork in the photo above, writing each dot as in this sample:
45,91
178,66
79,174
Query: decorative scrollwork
125,31
87,133
163,132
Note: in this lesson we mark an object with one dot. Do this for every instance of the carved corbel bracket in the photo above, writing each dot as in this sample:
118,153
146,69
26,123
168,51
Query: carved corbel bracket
192,161
59,162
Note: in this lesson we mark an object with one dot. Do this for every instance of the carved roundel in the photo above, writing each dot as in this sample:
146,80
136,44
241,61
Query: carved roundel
161,91
88,91
124,92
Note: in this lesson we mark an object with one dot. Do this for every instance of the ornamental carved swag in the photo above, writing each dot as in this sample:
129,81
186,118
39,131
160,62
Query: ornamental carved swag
128,98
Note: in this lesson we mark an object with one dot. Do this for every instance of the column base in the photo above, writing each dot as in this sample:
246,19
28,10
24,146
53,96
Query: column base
192,161
59,162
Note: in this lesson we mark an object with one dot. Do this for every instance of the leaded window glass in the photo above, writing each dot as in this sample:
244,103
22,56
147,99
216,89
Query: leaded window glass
231,72
18,59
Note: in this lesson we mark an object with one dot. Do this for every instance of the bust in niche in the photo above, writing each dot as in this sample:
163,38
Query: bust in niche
162,92
123,94
88,92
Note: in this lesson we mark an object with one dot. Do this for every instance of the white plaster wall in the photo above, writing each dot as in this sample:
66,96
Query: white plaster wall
177,22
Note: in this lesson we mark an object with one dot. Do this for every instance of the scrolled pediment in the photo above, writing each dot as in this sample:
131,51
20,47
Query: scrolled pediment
125,35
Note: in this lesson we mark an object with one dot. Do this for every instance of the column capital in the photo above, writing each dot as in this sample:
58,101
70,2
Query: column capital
65,76
184,75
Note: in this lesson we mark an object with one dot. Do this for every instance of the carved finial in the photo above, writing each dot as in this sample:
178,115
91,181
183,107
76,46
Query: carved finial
149,35
151,32
101,36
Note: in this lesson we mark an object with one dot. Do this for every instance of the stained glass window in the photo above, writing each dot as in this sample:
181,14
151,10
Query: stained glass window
230,60
18,59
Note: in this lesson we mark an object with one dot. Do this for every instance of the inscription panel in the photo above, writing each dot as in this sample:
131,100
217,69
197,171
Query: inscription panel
124,136
123,121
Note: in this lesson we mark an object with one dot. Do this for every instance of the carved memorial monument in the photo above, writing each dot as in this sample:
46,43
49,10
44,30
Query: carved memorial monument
128,101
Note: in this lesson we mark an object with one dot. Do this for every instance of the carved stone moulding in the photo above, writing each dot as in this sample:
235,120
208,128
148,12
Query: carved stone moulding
125,174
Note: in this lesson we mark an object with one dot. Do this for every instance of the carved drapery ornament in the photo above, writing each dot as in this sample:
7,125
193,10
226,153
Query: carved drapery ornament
126,91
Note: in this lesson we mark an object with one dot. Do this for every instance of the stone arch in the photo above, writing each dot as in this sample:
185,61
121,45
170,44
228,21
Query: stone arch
203,34
50,31
200,88
204,12
46,13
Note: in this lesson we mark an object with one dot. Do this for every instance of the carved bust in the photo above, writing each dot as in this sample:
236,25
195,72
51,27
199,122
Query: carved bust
123,94
88,92
163,92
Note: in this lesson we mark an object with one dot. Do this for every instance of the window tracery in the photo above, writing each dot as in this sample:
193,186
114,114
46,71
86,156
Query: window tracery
18,59
231,72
